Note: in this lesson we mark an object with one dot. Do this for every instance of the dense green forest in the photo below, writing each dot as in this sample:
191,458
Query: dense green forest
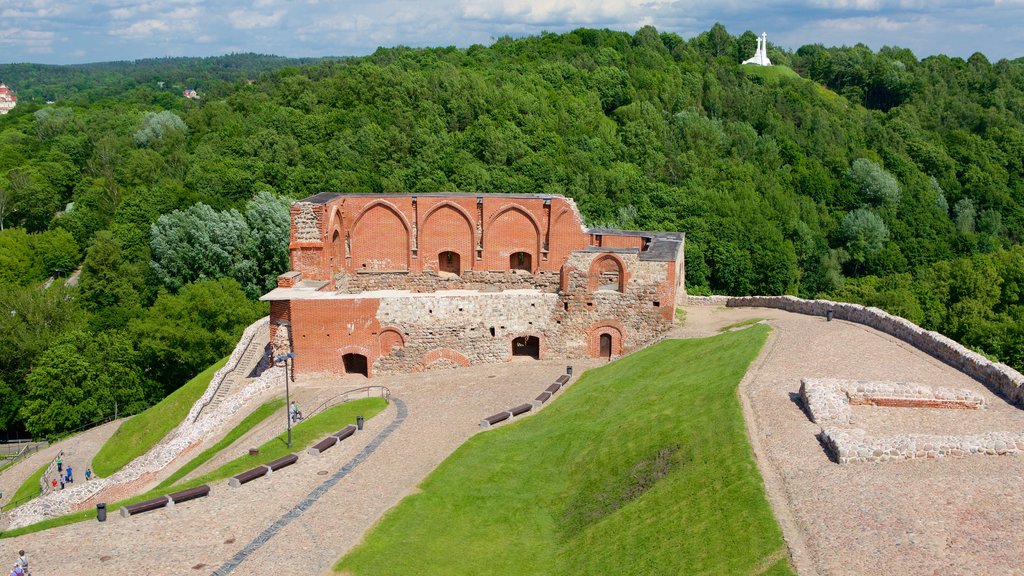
844,173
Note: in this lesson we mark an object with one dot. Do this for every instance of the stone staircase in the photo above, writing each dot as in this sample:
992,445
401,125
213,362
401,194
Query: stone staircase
238,377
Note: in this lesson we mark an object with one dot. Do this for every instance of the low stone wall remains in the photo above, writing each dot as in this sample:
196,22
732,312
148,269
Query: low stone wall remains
854,445
828,400
707,300
1002,379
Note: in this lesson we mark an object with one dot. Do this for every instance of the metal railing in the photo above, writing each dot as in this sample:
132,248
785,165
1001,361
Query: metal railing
349,395
229,373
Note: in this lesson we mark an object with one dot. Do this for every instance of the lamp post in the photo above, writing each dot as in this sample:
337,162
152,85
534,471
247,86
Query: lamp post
287,396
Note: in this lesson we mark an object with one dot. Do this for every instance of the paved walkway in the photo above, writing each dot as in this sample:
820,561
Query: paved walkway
199,537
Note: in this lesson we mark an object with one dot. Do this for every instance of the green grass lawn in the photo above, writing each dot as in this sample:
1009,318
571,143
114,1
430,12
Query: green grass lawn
642,467
138,434
307,433
250,421
28,489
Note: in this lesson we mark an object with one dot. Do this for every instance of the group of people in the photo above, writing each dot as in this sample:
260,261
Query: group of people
65,475
20,565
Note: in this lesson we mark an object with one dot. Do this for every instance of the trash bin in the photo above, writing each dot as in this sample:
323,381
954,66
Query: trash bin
829,314
101,511
568,370
359,422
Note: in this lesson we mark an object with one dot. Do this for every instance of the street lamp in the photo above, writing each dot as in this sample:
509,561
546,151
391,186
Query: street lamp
287,397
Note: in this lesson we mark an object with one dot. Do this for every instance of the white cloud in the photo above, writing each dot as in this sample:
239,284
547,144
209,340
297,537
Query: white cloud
247,20
143,29
34,41
543,11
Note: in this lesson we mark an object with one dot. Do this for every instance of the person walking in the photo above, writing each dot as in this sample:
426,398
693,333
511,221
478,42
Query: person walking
88,473
71,479
60,461
23,561
53,483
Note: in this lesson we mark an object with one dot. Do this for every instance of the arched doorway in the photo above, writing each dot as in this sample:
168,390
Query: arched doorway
520,261
355,364
526,346
606,346
448,261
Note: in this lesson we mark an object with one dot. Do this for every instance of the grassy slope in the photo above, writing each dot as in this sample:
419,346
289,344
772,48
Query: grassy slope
305,435
140,433
250,421
643,467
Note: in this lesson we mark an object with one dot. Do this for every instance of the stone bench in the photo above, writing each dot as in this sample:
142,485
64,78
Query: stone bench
521,409
248,476
553,388
145,506
322,445
281,462
345,432
562,379
190,494
541,398
492,420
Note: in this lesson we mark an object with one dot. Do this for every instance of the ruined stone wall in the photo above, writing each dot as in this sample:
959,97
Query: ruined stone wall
999,377
433,281
468,329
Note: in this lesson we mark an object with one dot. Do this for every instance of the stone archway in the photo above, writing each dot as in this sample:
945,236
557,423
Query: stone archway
355,364
526,346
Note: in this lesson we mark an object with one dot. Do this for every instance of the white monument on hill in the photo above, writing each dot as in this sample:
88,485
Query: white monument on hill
761,56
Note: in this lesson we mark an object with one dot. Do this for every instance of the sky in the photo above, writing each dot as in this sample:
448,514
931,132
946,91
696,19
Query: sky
79,31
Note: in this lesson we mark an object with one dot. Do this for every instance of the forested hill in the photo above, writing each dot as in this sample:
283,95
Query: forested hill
155,81
841,172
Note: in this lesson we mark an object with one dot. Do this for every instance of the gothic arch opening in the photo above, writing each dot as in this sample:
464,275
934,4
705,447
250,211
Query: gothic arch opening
337,251
607,274
526,346
355,364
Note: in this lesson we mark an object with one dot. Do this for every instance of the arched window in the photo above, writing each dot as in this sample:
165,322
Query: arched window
607,274
520,261
449,261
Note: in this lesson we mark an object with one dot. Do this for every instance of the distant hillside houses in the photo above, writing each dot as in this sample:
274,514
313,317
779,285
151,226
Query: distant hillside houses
8,99
190,94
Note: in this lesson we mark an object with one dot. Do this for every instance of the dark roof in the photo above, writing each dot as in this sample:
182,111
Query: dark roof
321,198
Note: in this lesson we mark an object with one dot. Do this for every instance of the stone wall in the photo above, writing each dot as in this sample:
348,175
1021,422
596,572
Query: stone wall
435,281
707,300
1001,378
854,445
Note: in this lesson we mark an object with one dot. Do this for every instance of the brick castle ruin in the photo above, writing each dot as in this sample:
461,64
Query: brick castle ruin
390,283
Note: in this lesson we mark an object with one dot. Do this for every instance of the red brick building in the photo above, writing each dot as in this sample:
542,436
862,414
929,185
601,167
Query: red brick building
406,282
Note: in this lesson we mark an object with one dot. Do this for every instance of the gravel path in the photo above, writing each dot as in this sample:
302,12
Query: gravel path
444,409
950,516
